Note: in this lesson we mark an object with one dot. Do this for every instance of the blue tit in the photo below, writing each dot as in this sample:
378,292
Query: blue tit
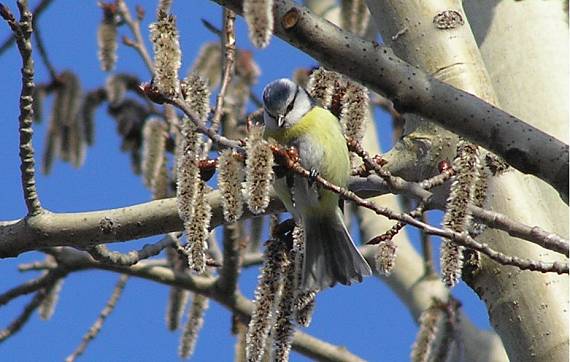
292,119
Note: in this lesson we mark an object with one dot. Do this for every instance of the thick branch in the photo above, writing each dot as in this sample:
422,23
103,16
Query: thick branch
523,146
86,229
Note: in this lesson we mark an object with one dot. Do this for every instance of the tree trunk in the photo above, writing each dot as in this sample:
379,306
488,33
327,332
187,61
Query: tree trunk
525,47
528,310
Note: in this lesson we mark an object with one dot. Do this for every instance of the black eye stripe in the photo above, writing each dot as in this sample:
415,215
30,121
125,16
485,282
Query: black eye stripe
269,113
292,103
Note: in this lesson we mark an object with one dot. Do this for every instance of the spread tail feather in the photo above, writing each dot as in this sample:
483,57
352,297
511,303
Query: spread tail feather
330,254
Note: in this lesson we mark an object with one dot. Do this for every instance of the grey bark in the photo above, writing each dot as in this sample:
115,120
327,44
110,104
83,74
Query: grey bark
525,47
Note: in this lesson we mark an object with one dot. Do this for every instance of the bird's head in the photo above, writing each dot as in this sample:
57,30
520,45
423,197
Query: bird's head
284,104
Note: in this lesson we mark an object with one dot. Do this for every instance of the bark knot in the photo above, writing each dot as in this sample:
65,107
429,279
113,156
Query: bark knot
448,19
107,225
291,18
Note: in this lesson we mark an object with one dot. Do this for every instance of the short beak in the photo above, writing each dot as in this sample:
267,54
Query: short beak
280,120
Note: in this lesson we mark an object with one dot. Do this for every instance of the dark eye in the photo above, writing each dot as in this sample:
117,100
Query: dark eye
292,103
290,106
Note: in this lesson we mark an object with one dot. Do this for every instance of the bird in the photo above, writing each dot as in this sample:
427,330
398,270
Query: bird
292,118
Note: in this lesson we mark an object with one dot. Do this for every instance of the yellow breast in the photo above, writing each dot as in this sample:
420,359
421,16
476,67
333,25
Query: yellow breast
323,129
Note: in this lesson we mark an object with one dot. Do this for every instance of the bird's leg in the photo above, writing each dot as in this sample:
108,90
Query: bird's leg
313,173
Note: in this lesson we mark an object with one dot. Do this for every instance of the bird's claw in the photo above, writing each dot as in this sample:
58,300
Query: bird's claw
313,173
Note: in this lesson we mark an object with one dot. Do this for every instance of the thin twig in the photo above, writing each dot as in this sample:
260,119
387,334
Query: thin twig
36,266
460,238
135,27
220,140
38,10
103,254
514,228
43,53
23,31
229,46
303,343
32,285
426,249
96,327
394,230
19,322
229,40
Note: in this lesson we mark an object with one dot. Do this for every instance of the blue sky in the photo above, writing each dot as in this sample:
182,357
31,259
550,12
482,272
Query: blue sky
368,318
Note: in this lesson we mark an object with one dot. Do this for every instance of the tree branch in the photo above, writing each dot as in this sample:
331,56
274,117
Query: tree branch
523,146
38,10
303,343
32,285
86,229
43,53
135,27
22,33
103,254
19,322
96,327
460,238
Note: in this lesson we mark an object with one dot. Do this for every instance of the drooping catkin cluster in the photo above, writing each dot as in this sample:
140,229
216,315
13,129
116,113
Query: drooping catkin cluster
437,336
259,170
197,229
207,63
164,38
38,98
450,346
154,142
187,171
266,296
161,183
196,93
355,16
177,297
457,216
283,327
304,301
301,77
322,85
177,300
66,136
107,40
193,325
47,307
229,181
258,15
451,260
386,257
87,111
240,330
430,321
354,110
480,197
116,89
